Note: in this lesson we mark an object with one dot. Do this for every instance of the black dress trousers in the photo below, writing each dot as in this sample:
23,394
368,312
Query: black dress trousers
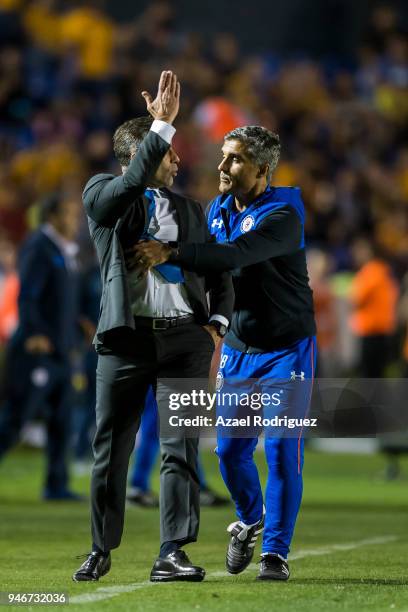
131,361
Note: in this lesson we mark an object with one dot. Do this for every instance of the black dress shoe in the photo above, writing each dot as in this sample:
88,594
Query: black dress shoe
176,566
273,567
93,568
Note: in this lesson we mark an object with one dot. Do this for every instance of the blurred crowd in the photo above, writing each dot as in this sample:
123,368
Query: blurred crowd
69,74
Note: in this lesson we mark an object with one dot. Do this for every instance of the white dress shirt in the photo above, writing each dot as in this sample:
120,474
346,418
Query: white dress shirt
152,295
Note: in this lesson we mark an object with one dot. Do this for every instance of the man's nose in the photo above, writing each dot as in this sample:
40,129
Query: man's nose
174,157
222,165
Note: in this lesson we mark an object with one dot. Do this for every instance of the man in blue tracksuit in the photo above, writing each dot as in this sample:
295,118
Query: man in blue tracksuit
260,234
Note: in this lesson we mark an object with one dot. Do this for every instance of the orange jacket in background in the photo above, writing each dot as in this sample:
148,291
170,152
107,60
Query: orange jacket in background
9,306
374,295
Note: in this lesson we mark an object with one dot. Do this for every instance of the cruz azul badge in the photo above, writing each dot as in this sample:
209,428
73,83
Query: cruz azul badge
247,223
219,381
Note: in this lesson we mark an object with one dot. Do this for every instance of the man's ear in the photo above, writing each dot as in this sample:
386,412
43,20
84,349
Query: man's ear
263,171
133,151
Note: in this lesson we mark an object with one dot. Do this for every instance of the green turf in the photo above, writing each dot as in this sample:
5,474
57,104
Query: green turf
345,502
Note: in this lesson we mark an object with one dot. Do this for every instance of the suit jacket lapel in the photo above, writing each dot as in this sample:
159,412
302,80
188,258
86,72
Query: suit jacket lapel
129,215
181,211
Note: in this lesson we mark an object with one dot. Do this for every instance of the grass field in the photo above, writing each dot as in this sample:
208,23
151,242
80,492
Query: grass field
350,549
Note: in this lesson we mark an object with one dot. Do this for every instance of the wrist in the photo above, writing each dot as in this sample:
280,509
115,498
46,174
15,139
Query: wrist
219,328
165,119
164,129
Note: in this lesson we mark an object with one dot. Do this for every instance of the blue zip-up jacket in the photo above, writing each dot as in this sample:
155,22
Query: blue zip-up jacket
264,248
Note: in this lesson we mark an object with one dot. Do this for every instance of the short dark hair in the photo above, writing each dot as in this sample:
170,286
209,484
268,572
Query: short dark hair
261,145
129,135
49,206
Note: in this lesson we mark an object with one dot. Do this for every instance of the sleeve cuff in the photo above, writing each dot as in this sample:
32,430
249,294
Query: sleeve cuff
164,130
220,318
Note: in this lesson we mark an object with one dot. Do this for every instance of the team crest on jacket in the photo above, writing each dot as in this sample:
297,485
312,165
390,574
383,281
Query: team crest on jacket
219,381
247,223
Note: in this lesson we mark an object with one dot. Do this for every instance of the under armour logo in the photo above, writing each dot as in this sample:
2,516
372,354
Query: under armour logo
294,376
218,223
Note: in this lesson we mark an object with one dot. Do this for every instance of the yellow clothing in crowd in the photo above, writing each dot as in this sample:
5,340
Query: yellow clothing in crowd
92,34
45,168
10,5
42,24
86,31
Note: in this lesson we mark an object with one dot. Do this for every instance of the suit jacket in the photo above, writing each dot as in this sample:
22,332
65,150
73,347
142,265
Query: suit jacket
47,302
117,215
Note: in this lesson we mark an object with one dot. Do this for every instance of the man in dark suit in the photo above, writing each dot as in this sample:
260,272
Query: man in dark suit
150,326
38,372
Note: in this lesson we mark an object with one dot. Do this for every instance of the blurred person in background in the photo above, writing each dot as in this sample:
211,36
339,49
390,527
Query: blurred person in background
9,289
38,372
90,291
318,265
403,315
374,296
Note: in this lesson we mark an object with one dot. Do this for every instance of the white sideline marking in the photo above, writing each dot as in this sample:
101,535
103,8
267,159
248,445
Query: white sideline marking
326,550
107,592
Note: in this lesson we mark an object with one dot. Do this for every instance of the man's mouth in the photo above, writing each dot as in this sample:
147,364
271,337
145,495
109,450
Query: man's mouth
224,178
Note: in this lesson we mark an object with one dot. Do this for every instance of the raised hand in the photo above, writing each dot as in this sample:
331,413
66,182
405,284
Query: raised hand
166,104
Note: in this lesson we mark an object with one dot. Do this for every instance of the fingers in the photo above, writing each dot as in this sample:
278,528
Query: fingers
136,247
173,84
178,91
148,98
164,80
142,248
168,80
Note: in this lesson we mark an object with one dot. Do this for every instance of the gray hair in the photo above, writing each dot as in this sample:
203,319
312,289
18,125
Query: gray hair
261,145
